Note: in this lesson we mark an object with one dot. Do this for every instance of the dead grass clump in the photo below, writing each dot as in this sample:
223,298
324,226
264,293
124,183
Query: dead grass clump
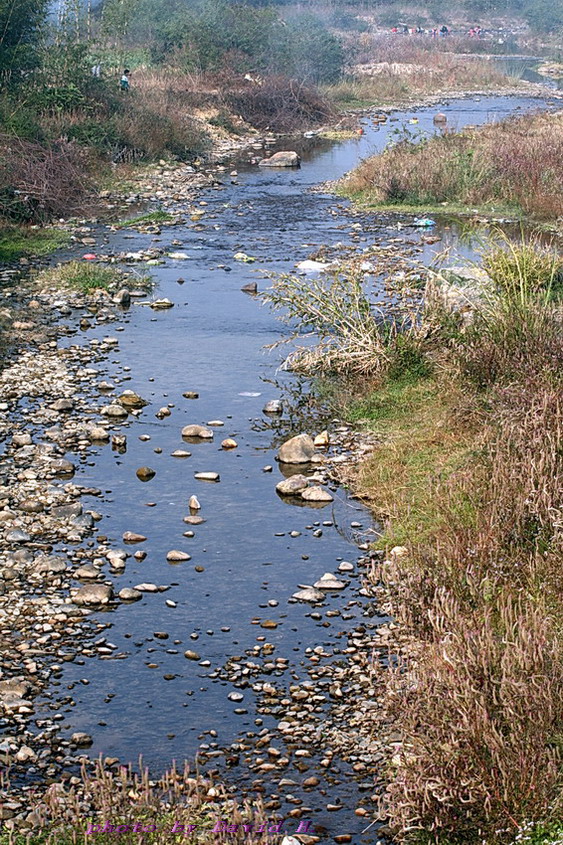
351,337
180,806
395,69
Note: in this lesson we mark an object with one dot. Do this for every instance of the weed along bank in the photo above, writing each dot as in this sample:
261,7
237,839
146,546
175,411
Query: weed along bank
223,826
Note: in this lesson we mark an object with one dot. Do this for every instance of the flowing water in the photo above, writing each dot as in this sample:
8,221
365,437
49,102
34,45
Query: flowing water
213,342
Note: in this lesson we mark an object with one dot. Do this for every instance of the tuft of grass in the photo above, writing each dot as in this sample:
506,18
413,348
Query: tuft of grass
102,799
82,276
353,338
152,217
19,241
525,269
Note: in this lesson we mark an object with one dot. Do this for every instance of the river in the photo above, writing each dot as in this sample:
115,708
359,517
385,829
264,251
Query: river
254,548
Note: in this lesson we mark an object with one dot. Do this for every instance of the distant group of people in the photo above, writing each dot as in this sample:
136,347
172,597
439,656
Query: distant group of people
124,84
435,32
419,30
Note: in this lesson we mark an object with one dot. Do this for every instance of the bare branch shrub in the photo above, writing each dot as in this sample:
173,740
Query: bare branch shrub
40,182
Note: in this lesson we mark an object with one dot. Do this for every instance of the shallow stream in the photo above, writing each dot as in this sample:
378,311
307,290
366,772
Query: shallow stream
212,342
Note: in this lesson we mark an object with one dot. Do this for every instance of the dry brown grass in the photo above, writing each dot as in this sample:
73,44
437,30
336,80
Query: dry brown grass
163,809
516,163
479,704
396,70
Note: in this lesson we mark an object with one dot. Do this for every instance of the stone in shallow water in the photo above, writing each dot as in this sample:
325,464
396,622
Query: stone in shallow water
18,536
62,405
130,594
309,594
62,467
161,304
50,565
83,740
207,476
98,434
194,520
297,450
274,406
292,486
177,556
133,537
145,473
316,494
198,431
93,594
87,570
130,399
284,158
329,582
115,411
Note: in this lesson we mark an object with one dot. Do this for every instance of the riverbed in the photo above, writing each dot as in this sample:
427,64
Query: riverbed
230,603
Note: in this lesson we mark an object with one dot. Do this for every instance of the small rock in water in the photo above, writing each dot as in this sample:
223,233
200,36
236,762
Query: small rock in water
129,594
329,582
207,476
198,431
81,739
132,537
177,556
130,399
229,443
274,406
161,304
180,453
191,655
316,494
98,434
292,486
284,158
145,473
322,439
235,696
123,298
93,594
250,287
194,504
309,594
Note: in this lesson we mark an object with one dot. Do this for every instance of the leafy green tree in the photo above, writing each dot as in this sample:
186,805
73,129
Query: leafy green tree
21,22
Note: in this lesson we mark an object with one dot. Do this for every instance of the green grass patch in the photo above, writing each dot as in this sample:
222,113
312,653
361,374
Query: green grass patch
542,834
82,276
420,447
368,202
18,242
151,218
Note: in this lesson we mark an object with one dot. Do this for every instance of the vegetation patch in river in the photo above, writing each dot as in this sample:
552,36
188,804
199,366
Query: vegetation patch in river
514,166
20,242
